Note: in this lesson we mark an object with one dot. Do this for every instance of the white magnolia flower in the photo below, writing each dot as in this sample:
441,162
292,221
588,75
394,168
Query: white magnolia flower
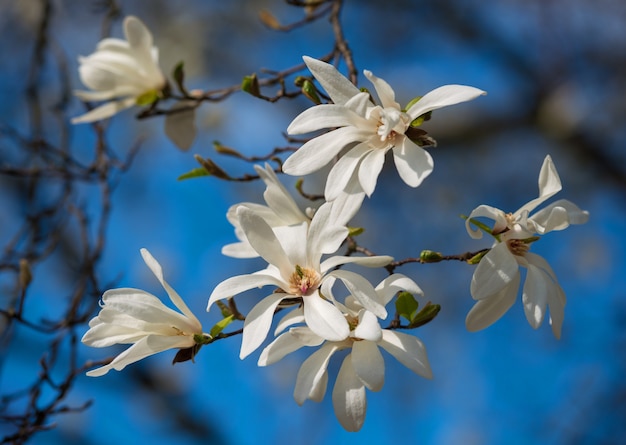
133,316
123,72
368,130
497,277
295,268
364,367
282,210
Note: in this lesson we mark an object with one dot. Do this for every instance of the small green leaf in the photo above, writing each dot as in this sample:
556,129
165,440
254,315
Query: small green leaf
225,310
220,325
308,89
355,231
195,173
482,226
406,305
426,315
250,84
211,167
479,256
147,98
178,74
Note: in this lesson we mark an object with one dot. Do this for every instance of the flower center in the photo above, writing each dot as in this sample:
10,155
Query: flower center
304,281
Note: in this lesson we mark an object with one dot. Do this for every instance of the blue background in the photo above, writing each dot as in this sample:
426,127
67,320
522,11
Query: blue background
552,61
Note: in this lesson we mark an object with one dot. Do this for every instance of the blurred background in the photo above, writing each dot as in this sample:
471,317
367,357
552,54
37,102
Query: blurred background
78,202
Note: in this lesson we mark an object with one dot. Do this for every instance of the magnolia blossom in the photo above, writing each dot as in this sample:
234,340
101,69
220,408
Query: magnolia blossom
297,271
125,72
369,130
363,367
133,316
497,277
282,210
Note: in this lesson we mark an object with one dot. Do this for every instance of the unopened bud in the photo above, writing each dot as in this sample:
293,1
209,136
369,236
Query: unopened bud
430,256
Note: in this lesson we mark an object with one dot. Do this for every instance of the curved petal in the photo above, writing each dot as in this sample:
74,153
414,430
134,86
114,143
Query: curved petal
549,185
324,116
413,163
290,318
349,399
370,168
157,270
285,344
257,324
240,283
342,173
557,216
495,271
339,88
393,284
366,261
486,211
140,41
345,206
319,151
104,111
384,92
278,198
535,295
324,236
324,319
368,328
362,290
312,378
408,350
262,239
442,97
369,365
143,348
489,310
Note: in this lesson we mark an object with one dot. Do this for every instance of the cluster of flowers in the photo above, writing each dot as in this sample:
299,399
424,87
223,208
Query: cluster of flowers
300,247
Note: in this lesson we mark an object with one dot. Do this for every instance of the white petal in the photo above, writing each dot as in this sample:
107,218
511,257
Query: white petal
369,169
549,185
324,116
369,365
285,344
349,399
102,335
311,380
240,283
334,83
325,319
393,284
413,163
104,111
262,238
535,295
366,261
408,350
342,173
443,97
368,328
278,198
487,212
290,318
319,151
384,92
142,349
362,290
325,236
557,216
489,310
140,41
157,270
495,271
345,206
257,324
